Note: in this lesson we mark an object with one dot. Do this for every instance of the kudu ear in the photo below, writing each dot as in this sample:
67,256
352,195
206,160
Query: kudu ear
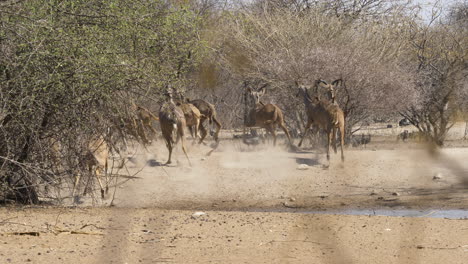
262,91
321,83
337,81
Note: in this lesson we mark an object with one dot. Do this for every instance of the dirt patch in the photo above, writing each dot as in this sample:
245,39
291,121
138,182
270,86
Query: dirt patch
113,235
252,199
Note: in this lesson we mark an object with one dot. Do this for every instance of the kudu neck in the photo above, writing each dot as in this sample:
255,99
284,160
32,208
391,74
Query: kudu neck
307,99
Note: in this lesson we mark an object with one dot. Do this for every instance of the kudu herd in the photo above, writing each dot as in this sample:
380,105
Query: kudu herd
196,112
178,114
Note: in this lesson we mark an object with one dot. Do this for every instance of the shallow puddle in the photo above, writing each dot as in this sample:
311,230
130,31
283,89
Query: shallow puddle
432,213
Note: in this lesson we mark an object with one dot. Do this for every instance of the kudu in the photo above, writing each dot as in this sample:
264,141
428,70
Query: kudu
192,115
258,114
146,118
330,95
208,112
172,121
140,120
325,115
96,161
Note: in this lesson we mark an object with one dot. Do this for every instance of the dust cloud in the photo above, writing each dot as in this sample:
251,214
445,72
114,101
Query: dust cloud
264,176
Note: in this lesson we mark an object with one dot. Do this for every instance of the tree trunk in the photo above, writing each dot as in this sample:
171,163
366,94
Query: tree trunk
22,188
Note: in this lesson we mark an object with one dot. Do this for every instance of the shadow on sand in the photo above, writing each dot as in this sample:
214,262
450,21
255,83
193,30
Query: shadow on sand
154,163
307,161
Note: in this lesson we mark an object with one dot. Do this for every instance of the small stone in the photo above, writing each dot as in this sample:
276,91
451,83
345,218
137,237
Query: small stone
437,176
292,199
303,167
197,214
374,192
395,194
289,205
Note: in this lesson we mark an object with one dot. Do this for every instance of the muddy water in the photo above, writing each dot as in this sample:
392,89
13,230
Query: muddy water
431,213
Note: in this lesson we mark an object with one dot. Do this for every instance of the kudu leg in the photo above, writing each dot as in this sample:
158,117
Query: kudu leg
141,132
98,177
342,142
283,127
77,180
197,127
191,131
271,128
182,139
155,133
194,137
85,191
203,132
307,128
218,128
334,140
169,148
329,139
106,177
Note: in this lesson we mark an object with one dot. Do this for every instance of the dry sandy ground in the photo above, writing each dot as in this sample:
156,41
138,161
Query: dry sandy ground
252,199
113,235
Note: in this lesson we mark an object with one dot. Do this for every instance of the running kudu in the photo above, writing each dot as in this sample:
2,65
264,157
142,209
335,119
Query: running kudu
258,114
208,112
173,125
326,115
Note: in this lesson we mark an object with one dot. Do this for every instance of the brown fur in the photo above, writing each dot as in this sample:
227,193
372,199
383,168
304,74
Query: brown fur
266,116
96,160
173,124
327,116
143,120
208,112
192,117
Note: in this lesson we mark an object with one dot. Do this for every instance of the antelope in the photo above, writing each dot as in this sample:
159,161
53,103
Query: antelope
95,160
207,111
325,115
143,120
262,115
192,116
146,117
172,120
